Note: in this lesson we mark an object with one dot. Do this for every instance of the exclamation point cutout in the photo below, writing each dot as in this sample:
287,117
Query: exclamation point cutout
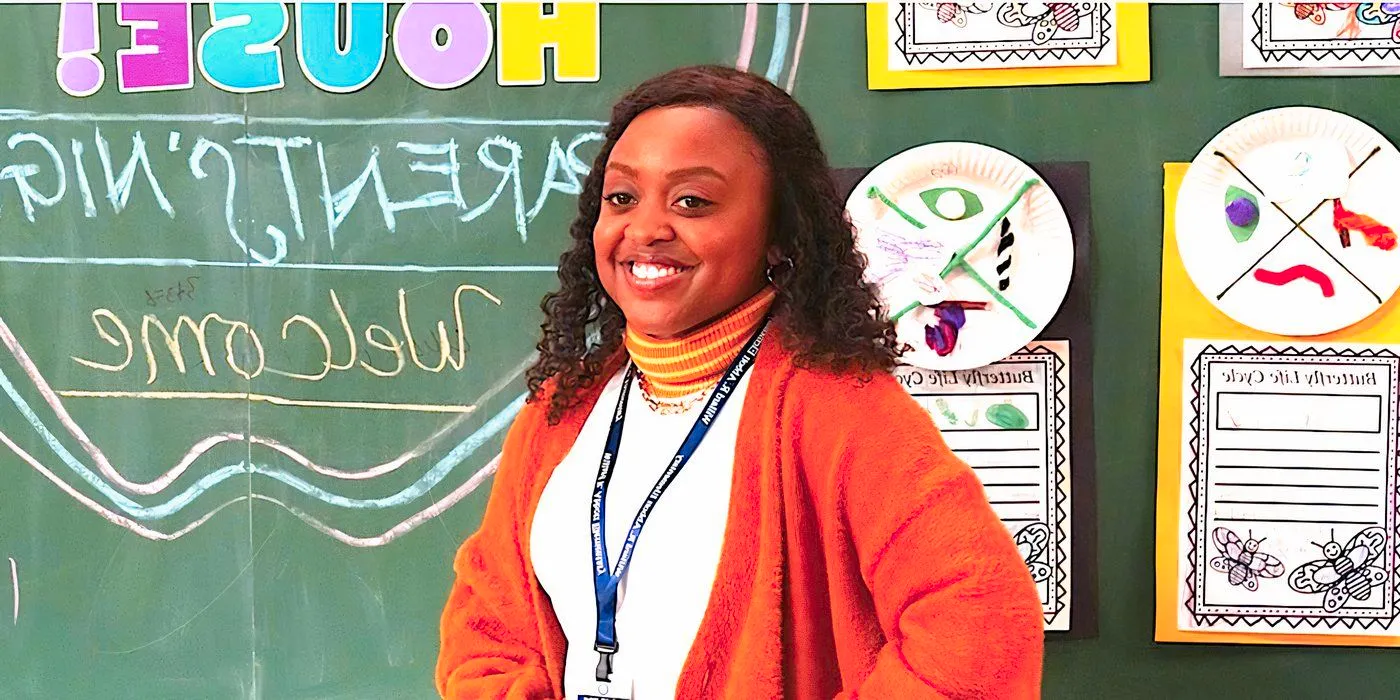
79,72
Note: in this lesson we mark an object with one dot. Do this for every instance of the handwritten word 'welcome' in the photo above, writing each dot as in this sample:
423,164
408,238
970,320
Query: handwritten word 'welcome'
438,44
114,331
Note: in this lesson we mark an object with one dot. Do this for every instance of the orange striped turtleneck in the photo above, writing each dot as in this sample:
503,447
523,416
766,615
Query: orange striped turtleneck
677,367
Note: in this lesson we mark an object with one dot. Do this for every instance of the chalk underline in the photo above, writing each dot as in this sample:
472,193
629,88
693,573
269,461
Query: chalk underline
25,115
190,262
268,398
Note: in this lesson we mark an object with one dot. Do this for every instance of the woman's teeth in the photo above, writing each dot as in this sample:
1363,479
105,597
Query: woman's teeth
649,271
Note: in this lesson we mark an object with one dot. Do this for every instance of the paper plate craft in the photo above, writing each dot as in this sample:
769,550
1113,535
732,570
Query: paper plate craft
1286,221
969,250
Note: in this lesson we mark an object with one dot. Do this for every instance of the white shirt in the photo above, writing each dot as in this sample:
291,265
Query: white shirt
666,590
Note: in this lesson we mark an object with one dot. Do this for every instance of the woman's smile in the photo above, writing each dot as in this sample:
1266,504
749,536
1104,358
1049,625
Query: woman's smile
655,274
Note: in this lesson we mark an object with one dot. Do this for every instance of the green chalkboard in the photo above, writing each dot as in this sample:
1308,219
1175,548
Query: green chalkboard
289,580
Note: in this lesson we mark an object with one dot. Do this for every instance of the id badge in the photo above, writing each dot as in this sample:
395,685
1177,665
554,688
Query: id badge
618,689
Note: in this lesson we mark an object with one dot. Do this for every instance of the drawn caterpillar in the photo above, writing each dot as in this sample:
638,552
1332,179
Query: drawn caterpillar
1004,256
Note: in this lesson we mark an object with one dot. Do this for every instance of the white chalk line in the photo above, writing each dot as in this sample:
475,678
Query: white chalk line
389,535
747,37
191,262
160,483
26,115
797,48
14,577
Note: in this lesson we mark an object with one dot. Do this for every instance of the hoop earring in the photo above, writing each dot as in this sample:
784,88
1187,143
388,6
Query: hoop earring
769,271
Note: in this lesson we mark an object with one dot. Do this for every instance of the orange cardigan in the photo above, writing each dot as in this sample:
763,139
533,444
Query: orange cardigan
861,560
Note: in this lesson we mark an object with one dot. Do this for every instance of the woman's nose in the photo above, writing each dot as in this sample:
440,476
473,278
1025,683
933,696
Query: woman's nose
649,224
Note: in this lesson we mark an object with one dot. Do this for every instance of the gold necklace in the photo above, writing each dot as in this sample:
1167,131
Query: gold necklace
667,407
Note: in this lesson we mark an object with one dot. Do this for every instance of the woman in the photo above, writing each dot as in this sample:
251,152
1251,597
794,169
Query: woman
807,532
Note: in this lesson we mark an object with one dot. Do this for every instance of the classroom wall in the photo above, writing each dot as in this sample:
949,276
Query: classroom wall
257,603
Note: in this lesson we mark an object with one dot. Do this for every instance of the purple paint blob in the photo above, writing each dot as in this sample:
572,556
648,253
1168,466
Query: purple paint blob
952,313
1242,212
941,337
1391,8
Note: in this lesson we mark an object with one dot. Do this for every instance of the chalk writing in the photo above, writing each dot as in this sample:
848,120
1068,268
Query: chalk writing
101,483
170,186
182,290
14,579
405,176
236,335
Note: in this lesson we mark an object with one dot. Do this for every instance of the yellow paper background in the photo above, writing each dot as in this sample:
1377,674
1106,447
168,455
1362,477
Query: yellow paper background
1186,313
1134,60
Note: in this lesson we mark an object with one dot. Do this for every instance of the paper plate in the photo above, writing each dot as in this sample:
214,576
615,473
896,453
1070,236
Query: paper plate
915,210
1292,162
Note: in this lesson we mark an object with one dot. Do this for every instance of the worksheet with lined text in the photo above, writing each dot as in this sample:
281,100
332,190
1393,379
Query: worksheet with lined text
1289,477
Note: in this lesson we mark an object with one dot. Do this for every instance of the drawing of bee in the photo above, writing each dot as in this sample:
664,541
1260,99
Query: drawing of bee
1032,541
1242,560
1345,572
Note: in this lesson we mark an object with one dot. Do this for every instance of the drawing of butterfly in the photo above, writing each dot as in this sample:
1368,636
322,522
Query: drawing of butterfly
1380,14
1045,18
1314,12
1242,560
1345,572
1032,541
955,13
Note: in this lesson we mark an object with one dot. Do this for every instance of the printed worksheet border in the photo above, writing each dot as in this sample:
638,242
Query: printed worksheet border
1318,49
997,51
1055,366
1274,621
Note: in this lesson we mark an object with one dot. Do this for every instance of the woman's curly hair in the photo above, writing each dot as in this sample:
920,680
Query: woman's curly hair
827,313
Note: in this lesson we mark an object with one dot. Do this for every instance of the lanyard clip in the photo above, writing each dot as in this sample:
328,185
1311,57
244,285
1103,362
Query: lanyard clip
605,654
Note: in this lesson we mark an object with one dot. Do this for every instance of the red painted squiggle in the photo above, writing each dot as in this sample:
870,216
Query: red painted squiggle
1307,272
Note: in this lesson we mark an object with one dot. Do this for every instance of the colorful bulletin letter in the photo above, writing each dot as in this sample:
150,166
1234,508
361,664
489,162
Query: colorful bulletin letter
319,42
159,57
450,63
524,33
1010,422
239,53
79,72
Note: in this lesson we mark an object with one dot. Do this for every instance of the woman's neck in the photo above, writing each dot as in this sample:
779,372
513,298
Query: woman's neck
693,361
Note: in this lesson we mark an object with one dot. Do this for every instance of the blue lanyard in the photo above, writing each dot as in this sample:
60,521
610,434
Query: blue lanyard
605,582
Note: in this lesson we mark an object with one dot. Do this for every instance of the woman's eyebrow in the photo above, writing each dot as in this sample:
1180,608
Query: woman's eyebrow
622,168
678,174
701,170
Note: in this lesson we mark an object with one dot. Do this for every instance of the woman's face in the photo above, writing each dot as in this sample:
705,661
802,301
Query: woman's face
683,233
